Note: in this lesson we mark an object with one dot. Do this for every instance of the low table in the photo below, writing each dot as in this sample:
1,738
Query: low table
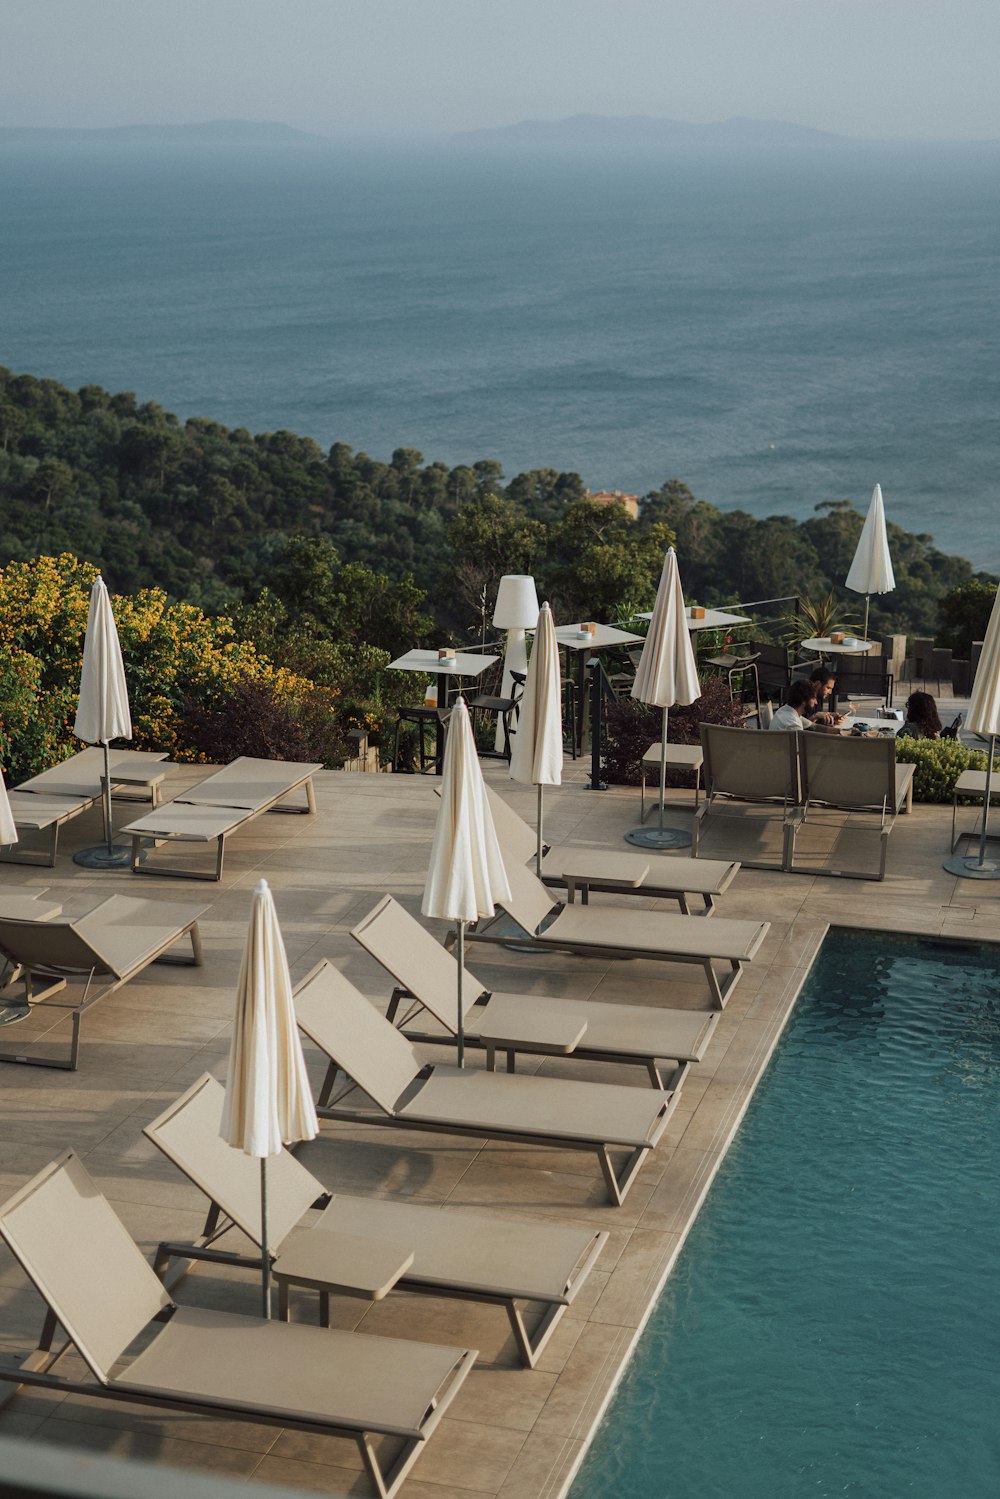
617,872
971,783
679,757
326,1260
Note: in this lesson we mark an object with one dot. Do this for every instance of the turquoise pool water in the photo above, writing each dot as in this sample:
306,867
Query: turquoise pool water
833,1324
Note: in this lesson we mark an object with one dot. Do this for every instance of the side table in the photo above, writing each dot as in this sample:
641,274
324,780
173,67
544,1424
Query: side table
679,757
326,1260
971,783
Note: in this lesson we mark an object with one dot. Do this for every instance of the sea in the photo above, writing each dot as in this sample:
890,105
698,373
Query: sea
776,329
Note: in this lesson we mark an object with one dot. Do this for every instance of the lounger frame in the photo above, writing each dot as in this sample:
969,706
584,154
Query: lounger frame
146,837
175,1257
36,1370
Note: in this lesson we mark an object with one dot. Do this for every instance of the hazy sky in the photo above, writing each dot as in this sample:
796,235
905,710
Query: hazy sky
886,68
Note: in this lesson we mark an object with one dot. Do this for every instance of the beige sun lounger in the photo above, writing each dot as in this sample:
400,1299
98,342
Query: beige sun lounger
620,932
98,1286
101,950
216,807
855,775
659,876
426,977
47,801
471,1257
406,1092
755,766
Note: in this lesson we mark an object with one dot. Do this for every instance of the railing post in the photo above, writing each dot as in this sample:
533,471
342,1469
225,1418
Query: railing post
599,684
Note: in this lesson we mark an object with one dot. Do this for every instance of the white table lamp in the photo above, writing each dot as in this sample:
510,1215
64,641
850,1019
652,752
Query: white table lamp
516,610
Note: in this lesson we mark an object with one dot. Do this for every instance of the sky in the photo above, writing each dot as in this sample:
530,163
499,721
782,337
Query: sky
884,69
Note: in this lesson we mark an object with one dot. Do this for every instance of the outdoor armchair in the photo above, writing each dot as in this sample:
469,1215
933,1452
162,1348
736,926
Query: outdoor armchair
387,1083
465,1256
100,1289
752,766
856,775
424,1006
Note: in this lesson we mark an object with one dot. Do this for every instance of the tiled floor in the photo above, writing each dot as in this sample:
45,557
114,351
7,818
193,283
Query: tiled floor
514,1433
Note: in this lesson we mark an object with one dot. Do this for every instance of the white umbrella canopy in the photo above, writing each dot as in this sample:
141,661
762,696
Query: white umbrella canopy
871,571
667,674
8,832
983,718
466,873
102,712
537,756
268,1100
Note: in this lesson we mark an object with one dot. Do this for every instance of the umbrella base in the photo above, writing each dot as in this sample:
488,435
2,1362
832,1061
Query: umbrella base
659,838
10,1014
103,858
966,867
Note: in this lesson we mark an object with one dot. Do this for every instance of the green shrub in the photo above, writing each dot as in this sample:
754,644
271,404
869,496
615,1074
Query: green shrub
939,764
632,727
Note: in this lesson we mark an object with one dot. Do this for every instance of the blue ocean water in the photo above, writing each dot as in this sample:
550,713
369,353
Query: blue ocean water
776,331
832,1326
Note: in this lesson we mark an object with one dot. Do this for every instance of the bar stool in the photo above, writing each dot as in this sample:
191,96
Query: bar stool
739,665
502,708
424,718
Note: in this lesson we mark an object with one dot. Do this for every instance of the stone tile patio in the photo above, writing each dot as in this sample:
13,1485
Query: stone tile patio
513,1432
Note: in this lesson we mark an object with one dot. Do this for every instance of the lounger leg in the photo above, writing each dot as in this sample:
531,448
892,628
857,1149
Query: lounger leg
618,1183
327,1086
388,1484
531,1348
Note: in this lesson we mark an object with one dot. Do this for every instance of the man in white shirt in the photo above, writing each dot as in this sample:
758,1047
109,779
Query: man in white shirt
792,714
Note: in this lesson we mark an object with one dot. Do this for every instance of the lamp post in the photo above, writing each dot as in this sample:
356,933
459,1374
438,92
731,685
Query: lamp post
516,610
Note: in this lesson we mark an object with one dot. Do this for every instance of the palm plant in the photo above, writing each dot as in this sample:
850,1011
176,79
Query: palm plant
817,619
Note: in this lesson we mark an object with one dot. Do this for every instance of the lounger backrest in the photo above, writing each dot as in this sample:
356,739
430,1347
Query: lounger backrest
83,1261
50,944
529,902
415,960
518,839
340,1021
753,765
854,773
188,1135
248,783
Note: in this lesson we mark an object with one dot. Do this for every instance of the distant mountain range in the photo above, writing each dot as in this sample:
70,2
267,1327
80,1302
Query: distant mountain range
589,134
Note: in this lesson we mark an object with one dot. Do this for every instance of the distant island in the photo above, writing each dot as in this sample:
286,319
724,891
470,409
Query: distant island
648,132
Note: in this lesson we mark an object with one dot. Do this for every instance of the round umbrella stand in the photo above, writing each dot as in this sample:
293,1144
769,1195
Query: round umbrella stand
967,867
104,858
658,838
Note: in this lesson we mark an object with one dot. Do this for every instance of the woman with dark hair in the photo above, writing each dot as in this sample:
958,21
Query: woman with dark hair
922,721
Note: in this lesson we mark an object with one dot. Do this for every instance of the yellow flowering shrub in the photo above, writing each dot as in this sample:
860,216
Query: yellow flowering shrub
174,656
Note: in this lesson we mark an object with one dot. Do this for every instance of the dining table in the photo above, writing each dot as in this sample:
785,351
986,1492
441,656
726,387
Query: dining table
446,671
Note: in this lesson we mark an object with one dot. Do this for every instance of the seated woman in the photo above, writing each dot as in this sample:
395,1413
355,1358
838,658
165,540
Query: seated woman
922,721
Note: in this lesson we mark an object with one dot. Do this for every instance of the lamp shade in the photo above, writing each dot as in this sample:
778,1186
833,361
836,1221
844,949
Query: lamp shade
517,603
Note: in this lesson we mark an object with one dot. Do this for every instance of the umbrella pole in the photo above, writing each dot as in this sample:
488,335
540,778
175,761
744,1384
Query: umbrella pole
460,949
868,604
538,851
265,1253
986,803
108,829
663,765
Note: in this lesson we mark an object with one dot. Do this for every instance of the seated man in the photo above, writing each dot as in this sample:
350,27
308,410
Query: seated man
795,714
824,685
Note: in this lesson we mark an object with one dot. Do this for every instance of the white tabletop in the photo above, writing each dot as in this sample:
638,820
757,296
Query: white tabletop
462,664
605,635
847,647
714,619
872,721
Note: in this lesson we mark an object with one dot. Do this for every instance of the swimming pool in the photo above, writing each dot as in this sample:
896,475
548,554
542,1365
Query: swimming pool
833,1323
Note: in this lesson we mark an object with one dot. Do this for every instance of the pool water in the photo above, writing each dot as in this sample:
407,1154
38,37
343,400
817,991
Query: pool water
833,1323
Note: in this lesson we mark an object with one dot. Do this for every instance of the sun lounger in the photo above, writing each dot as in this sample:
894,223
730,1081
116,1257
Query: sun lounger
406,1092
216,807
471,1257
856,775
98,1286
102,950
744,765
659,876
47,801
426,977
620,932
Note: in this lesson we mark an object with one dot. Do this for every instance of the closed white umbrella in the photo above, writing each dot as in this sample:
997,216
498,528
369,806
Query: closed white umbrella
871,571
268,1100
466,874
983,718
102,711
666,674
8,832
537,756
